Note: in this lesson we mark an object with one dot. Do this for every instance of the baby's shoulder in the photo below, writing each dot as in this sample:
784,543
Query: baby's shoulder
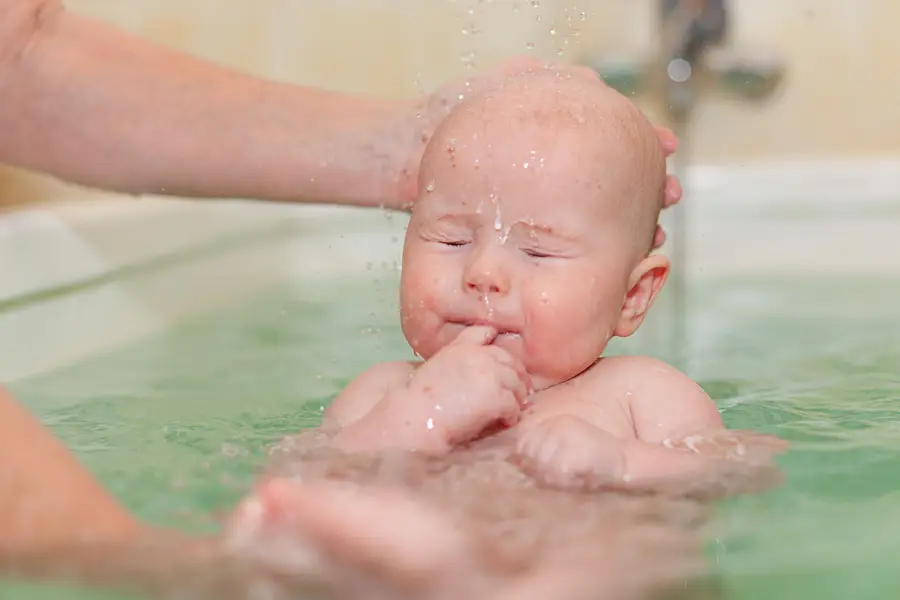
663,401
366,390
387,374
632,370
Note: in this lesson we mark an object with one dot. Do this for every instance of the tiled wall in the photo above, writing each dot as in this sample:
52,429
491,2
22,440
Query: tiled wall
842,93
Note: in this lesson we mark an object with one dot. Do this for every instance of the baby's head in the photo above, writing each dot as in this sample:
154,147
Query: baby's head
538,202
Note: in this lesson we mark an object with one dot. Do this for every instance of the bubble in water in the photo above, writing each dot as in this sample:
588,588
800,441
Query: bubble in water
583,16
430,187
553,31
539,18
535,3
530,45
232,451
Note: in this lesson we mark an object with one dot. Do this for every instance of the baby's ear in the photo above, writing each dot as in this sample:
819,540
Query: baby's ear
645,283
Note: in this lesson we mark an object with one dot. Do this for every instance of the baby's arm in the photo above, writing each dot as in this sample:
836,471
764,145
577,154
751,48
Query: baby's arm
666,407
363,393
616,427
366,418
681,443
463,390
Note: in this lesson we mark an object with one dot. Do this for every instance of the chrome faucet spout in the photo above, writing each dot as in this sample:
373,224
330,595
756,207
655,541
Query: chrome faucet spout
691,26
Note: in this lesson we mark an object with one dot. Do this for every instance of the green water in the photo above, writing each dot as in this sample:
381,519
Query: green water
177,425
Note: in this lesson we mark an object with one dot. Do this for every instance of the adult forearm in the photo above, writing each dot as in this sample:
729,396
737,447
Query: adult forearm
96,106
46,497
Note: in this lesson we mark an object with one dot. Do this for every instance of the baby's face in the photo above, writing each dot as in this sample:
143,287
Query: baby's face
513,233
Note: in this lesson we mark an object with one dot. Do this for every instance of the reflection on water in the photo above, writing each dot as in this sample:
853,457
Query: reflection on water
180,426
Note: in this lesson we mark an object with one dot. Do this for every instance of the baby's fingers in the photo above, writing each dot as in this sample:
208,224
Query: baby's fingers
508,360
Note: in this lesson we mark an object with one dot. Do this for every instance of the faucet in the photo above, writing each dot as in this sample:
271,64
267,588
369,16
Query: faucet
691,58
690,26
688,29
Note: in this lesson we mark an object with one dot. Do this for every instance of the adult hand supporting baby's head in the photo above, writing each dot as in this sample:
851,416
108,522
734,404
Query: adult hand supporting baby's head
435,107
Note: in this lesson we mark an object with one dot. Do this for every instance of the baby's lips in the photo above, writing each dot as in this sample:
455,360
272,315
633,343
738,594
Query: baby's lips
477,334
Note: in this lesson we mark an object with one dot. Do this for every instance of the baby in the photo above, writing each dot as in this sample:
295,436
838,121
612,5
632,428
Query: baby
527,251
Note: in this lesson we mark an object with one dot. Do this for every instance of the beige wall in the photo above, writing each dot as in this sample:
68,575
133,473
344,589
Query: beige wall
841,98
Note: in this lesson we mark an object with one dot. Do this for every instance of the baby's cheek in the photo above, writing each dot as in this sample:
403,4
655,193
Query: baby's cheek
562,340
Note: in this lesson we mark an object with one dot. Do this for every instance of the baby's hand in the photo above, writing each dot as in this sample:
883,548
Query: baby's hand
470,386
568,452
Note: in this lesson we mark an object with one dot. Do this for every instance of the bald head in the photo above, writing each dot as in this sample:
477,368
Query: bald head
620,161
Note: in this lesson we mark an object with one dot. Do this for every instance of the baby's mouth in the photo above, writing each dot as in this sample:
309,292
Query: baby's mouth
502,331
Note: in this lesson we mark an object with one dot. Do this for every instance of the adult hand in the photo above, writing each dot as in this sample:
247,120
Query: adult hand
432,110
379,542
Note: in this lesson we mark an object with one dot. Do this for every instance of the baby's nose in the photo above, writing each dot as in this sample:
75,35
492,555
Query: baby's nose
489,281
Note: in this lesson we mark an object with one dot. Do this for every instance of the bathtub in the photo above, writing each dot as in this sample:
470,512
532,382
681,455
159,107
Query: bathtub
170,342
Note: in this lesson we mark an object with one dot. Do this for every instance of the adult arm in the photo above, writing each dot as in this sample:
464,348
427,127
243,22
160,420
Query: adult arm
47,497
93,105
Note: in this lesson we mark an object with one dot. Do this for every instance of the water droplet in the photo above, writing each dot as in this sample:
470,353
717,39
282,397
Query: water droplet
530,45
553,31
583,16
430,187
539,18
535,3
